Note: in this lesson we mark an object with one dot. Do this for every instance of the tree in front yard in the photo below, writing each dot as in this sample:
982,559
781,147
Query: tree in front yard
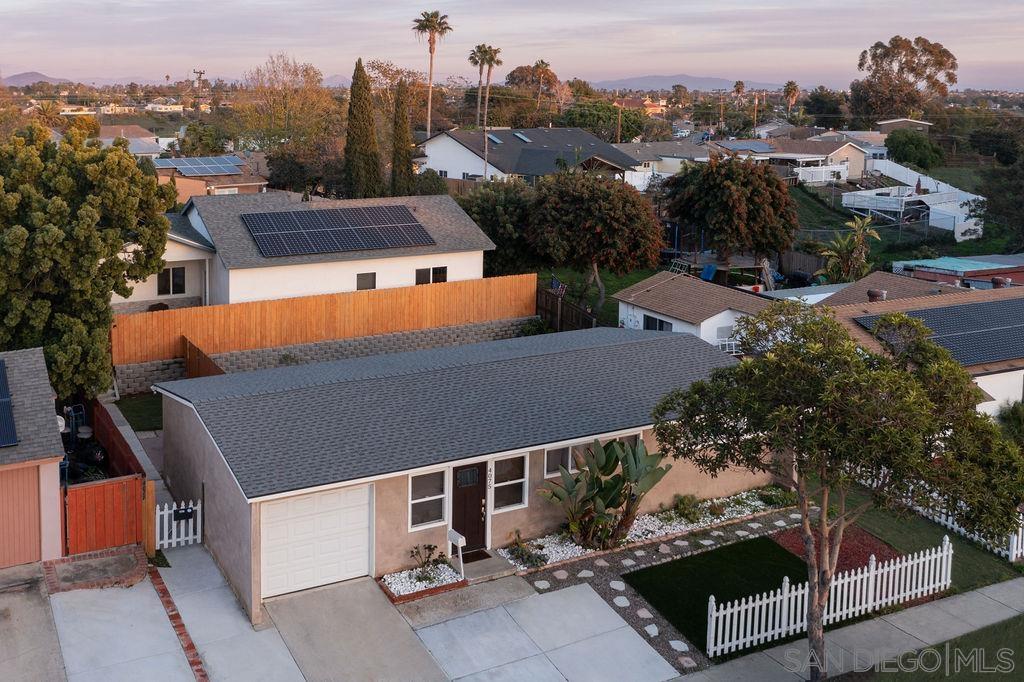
739,205
808,405
77,224
602,499
587,222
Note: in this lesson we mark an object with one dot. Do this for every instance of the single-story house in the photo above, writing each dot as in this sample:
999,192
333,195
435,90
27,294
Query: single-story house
892,124
969,271
524,153
871,141
30,454
254,247
661,159
811,161
887,287
982,329
676,302
197,176
314,474
644,104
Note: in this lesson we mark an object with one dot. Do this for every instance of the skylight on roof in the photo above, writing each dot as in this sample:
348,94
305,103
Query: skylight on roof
493,138
522,137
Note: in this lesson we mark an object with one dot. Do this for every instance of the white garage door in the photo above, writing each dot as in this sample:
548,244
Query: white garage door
314,539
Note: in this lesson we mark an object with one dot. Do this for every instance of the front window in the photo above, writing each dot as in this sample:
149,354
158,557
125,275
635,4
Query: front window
652,323
170,281
426,499
510,482
366,280
428,275
558,457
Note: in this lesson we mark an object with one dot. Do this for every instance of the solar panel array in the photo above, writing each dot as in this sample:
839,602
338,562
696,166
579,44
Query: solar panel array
193,166
8,434
335,230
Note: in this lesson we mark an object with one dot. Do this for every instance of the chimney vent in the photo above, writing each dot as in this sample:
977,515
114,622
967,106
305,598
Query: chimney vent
875,295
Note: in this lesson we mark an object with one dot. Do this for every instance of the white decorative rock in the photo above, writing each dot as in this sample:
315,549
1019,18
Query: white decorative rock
561,575
600,562
679,645
717,532
617,585
644,613
664,549
541,584
707,543
687,662
621,602
681,543
742,533
585,574
755,525
795,516
640,552
780,523
651,630
628,562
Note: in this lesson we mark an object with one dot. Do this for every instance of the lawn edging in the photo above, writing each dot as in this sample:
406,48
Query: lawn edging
413,596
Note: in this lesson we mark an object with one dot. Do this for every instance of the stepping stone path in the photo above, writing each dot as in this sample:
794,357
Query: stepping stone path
780,523
651,630
640,552
664,549
601,562
742,533
628,562
561,575
621,602
644,613
541,584
717,532
755,525
681,543
707,543
585,574
795,516
687,662
679,645
617,585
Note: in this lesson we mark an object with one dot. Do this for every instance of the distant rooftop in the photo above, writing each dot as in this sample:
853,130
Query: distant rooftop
962,266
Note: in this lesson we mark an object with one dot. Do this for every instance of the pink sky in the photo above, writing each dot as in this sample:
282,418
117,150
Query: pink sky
812,41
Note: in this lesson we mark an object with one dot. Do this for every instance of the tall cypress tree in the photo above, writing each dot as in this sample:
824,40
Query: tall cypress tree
361,172
402,180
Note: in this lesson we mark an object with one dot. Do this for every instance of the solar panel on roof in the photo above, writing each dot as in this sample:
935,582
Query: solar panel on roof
335,230
8,434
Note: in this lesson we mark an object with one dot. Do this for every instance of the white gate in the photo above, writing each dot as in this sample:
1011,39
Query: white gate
179,524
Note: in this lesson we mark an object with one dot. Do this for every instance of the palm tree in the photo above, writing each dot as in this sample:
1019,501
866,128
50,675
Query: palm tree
477,57
492,59
435,26
738,88
791,91
847,255
542,71
48,112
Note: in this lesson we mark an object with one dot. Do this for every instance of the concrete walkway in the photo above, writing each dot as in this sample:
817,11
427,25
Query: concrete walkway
29,649
863,645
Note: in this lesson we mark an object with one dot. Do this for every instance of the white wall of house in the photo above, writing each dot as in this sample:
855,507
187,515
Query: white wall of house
1005,387
220,283
445,155
288,281
715,328
191,258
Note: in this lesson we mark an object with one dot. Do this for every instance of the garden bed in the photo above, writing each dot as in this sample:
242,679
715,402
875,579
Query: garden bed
856,549
404,586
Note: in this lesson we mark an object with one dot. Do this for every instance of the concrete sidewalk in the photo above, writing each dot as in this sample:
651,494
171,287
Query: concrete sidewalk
862,645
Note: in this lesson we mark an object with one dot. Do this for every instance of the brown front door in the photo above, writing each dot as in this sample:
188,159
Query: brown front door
469,504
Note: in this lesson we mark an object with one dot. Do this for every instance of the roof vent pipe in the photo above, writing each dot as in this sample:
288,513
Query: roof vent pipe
1000,282
875,295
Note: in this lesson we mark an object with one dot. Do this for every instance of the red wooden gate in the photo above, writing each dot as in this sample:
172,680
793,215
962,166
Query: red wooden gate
104,514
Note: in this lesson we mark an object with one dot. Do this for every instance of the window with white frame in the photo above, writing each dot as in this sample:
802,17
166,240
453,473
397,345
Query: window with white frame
426,499
510,482
558,457
632,439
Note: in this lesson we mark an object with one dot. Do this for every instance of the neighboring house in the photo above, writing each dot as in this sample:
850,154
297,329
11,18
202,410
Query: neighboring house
198,176
254,247
77,110
885,286
676,302
812,162
892,124
773,129
526,153
661,159
115,109
141,142
976,272
810,295
983,330
30,454
314,474
872,142
157,107
646,105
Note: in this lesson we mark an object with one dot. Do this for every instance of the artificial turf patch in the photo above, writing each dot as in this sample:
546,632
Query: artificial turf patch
679,589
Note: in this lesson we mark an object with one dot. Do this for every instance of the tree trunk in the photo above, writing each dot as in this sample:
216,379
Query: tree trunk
600,288
479,92
430,86
816,637
487,101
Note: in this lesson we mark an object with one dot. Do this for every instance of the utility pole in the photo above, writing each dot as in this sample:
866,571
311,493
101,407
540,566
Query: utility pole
721,111
199,78
755,114
618,125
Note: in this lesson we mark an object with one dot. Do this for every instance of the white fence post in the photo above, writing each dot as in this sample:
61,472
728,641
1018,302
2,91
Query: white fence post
186,530
712,613
872,597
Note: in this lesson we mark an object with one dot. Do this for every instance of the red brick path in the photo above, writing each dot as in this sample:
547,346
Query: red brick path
187,645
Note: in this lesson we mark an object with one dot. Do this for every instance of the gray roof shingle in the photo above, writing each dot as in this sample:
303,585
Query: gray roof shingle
689,298
182,228
449,226
292,428
540,156
32,404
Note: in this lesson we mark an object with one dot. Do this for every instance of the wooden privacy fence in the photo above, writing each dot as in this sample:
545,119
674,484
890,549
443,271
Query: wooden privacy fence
561,315
144,337
757,619
122,459
104,514
198,363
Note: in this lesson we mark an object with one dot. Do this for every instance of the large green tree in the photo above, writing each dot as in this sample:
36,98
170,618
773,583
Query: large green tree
1002,209
590,222
825,107
602,119
402,179
739,205
1002,143
203,139
502,209
77,224
913,147
361,171
808,405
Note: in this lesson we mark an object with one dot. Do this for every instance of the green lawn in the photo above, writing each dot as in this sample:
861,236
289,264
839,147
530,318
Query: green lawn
609,315
680,589
143,411
814,215
968,179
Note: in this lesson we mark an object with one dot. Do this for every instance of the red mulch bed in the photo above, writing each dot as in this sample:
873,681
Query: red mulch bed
857,546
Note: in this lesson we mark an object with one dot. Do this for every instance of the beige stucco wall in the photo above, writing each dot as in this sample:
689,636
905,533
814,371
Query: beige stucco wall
392,540
176,254
50,506
854,157
193,465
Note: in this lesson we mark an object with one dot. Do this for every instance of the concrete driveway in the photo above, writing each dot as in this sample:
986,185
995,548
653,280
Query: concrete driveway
224,638
29,649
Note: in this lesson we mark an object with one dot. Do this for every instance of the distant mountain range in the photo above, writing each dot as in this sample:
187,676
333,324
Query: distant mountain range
337,81
691,82
20,80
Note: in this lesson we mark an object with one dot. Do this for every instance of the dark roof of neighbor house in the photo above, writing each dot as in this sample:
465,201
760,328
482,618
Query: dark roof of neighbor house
182,228
292,428
895,286
32,399
688,298
540,156
448,225
686,148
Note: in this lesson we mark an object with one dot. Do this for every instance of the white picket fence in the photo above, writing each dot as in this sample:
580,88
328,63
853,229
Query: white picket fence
1012,547
757,619
186,530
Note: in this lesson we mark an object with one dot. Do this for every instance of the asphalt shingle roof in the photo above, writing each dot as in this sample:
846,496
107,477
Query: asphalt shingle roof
974,333
292,428
540,155
182,228
688,298
686,148
449,226
895,286
32,404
